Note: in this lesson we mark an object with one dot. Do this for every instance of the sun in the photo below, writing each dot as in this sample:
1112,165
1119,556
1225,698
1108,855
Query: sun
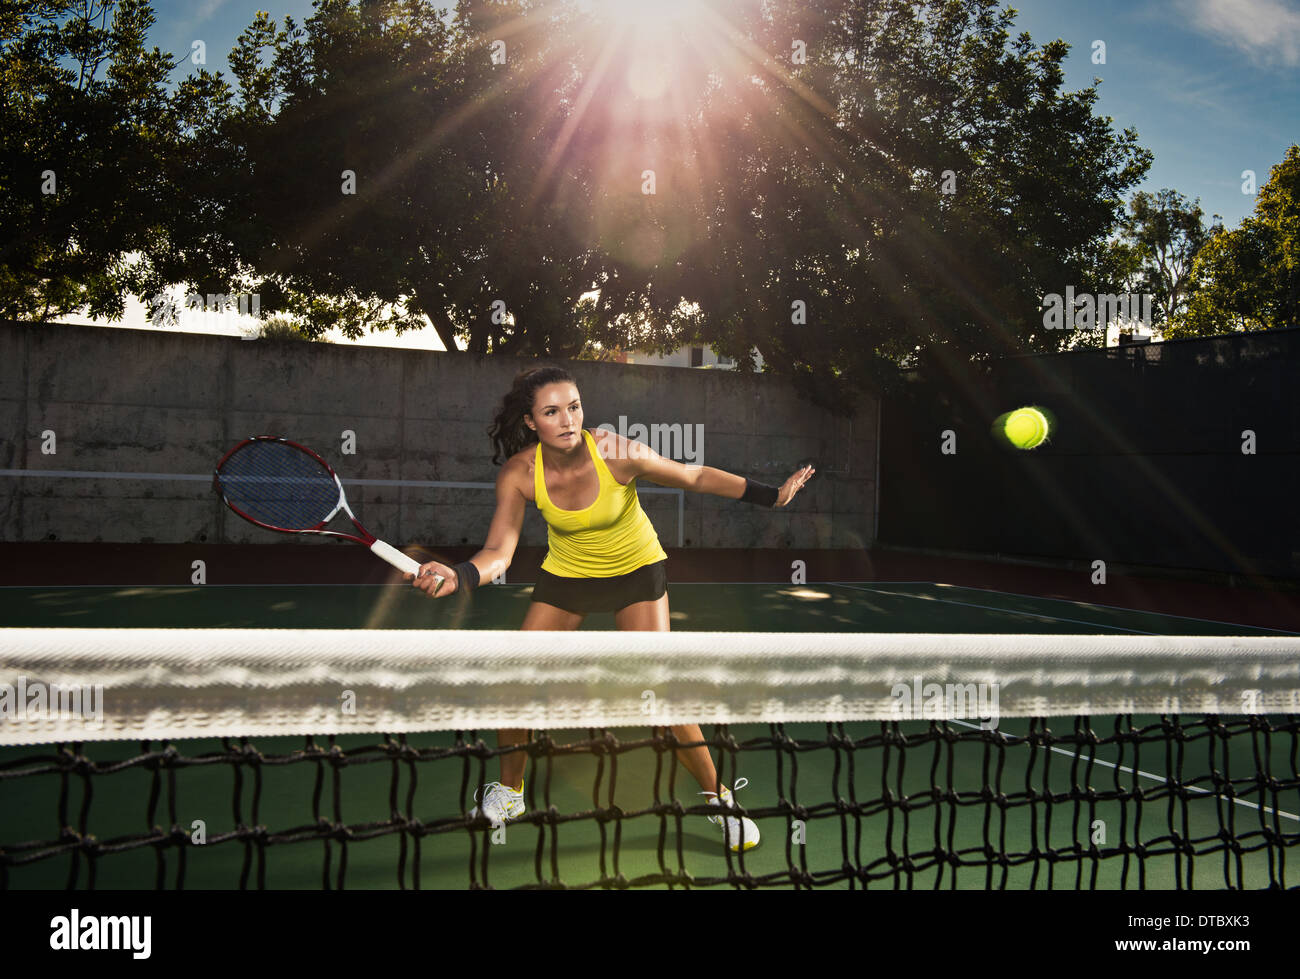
650,36
643,13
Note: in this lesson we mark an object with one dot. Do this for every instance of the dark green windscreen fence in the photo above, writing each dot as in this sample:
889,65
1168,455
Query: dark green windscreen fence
1145,464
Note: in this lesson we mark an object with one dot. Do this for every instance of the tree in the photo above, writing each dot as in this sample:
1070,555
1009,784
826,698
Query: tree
1165,233
782,190
1251,274
82,155
913,187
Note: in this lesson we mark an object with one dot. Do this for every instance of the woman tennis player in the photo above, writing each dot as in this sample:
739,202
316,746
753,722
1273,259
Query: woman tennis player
604,555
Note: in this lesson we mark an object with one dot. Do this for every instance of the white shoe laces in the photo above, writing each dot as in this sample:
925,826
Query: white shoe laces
492,787
740,784
734,826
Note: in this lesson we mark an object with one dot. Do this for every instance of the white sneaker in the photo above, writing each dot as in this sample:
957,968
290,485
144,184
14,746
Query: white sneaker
737,827
500,803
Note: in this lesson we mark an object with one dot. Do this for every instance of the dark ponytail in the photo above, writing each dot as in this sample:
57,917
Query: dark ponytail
509,433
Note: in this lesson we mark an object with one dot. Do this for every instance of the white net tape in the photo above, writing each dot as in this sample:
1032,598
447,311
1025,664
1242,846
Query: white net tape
151,684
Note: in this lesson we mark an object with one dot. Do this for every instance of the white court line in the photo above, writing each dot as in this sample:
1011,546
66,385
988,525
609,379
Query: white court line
1069,601
994,608
1155,778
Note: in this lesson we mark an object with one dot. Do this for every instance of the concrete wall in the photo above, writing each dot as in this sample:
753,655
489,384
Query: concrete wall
127,403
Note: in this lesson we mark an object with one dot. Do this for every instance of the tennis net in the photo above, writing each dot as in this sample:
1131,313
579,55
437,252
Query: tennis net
277,758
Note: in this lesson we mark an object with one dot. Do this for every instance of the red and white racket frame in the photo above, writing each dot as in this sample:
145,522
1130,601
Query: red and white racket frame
364,537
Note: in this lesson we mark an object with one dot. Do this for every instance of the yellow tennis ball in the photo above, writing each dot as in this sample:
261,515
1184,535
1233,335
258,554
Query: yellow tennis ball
1026,428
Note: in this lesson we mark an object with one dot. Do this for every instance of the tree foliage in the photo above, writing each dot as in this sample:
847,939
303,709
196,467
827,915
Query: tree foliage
912,188
1164,232
1251,274
927,184
88,132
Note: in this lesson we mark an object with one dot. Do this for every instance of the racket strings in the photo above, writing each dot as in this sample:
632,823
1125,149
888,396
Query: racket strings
279,485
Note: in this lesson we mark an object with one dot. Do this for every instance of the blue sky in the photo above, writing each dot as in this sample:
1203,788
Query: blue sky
1212,86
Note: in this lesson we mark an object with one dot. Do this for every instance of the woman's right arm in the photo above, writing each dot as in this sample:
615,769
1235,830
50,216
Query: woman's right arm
502,538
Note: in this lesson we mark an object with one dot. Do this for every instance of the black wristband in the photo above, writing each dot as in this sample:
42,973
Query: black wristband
466,575
760,494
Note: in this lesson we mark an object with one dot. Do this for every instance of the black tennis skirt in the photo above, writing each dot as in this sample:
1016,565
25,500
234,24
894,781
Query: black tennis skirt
583,596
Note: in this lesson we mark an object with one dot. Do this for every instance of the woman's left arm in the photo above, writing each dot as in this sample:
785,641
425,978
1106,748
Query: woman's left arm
705,479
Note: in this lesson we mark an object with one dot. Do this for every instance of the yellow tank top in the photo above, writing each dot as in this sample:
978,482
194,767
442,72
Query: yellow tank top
613,536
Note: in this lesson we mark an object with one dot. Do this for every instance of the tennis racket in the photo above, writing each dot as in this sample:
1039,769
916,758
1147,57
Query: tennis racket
284,486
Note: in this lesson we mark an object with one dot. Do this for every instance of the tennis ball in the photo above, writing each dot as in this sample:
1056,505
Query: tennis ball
1026,428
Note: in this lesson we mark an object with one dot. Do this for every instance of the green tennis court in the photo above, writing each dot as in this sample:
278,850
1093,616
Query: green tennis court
714,606
941,806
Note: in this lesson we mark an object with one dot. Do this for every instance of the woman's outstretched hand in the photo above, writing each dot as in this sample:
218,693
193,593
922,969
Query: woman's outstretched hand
427,580
793,485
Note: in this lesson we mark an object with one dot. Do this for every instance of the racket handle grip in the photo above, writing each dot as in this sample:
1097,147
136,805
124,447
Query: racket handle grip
395,557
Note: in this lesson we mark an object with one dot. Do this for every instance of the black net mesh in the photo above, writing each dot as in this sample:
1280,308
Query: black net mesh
1119,802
